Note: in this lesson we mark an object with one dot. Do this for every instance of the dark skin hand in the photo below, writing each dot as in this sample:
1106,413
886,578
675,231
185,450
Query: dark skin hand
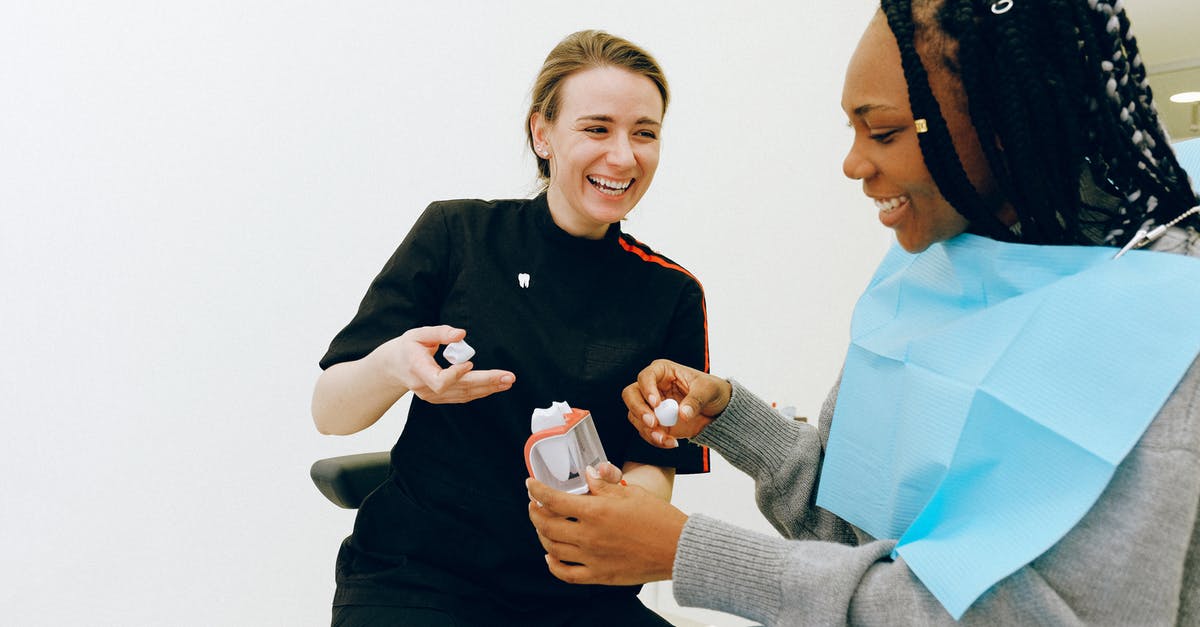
624,535
615,535
701,397
618,534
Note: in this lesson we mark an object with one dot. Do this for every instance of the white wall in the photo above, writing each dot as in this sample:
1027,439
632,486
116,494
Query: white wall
194,195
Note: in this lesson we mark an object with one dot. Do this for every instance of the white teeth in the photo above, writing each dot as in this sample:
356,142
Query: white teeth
609,186
890,204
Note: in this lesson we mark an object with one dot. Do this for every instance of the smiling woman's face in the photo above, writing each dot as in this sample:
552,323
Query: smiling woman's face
602,146
886,155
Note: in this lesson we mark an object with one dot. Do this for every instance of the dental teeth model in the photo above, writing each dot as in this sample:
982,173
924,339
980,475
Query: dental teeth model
564,443
555,454
458,352
667,412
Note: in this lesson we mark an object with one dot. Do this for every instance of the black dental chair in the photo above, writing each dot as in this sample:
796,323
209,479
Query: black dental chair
348,479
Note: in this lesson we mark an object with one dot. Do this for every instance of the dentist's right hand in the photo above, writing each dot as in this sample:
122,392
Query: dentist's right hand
701,396
353,395
408,359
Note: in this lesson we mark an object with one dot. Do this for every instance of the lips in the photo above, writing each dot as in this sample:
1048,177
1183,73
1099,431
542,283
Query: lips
892,210
609,187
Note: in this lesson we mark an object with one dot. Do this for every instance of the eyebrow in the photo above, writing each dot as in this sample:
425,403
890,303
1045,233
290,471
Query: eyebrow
608,118
862,110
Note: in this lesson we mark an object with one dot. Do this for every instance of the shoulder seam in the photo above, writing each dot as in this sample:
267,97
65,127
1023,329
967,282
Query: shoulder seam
645,253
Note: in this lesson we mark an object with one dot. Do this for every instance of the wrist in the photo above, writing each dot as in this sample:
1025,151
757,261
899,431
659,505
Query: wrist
728,390
676,532
724,397
387,369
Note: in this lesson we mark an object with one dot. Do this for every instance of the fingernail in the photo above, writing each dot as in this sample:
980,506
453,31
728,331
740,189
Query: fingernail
592,472
687,411
526,483
673,443
648,419
508,378
652,400
658,437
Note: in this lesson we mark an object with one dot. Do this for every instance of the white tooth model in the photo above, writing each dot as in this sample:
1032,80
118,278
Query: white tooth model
553,452
564,443
667,412
458,352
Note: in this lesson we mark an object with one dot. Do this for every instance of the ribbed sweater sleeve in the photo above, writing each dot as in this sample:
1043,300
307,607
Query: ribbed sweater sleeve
755,575
1131,560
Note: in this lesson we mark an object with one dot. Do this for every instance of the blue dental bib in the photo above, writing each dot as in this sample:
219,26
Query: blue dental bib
989,393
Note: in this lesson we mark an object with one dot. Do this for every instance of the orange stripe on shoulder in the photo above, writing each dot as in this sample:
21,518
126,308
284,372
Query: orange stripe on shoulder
643,251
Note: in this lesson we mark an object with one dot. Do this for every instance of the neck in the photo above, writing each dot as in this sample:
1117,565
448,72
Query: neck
569,220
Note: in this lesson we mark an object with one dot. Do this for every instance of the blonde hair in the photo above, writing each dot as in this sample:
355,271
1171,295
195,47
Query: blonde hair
579,51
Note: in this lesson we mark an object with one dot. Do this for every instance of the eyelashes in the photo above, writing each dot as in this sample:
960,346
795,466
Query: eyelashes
881,137
600,130
884,137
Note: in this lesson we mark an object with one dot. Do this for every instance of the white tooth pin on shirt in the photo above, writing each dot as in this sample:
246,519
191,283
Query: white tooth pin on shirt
523,279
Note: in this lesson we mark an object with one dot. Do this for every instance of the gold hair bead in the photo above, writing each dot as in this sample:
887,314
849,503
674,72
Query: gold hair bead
922,125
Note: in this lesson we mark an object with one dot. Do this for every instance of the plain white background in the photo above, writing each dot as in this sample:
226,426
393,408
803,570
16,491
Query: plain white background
196,194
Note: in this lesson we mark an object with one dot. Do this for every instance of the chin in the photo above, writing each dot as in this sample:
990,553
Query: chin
611,213
913,246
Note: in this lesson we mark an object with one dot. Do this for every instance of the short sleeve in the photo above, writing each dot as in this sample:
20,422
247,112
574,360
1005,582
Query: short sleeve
406,294
687,344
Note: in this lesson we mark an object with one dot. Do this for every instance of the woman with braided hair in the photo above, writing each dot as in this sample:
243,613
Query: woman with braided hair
1015,436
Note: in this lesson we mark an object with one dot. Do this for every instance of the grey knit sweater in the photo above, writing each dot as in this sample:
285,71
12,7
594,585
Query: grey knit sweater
1134,559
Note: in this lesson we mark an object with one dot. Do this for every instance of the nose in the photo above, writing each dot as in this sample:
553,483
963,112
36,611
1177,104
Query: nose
857,167
620,152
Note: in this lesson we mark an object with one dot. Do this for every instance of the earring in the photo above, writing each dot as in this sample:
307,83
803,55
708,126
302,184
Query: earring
542,151
922,125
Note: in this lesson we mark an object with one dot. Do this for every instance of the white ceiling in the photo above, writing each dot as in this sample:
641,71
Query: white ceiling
1166,30
1168,34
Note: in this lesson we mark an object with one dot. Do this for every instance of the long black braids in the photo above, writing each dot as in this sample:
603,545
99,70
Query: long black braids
1058,95
936,144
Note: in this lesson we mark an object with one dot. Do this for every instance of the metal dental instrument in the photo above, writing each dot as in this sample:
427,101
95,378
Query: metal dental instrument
1143,237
